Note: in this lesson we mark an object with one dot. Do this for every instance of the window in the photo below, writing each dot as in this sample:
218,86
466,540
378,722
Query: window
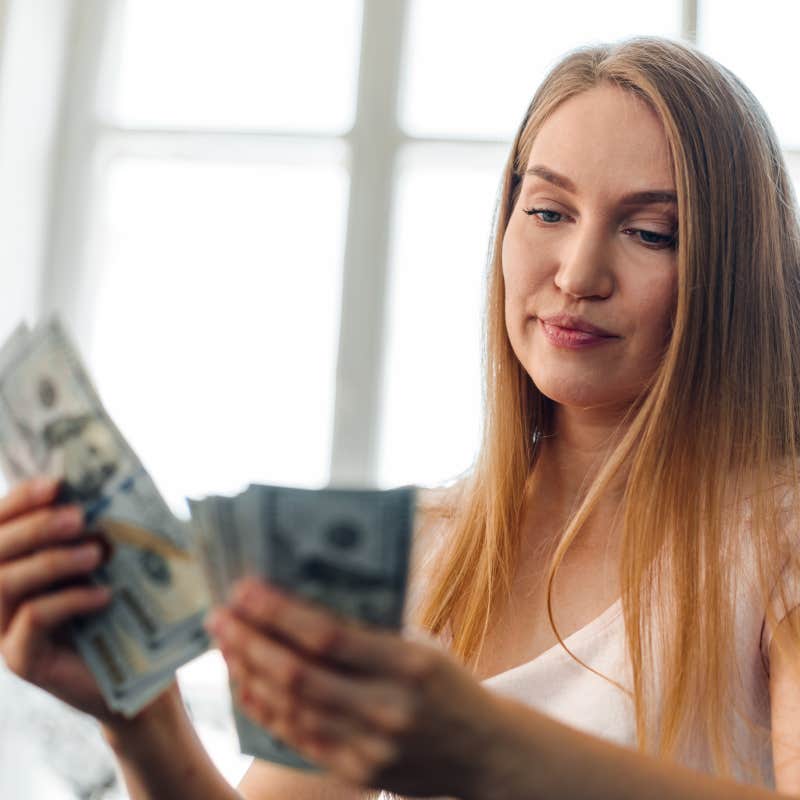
269,233
458,115
723,27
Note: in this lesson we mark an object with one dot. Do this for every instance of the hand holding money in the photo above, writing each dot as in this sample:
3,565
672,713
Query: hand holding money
374,708
52,423
344,549
40,551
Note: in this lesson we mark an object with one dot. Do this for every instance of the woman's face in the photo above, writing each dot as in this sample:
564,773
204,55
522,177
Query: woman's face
590,243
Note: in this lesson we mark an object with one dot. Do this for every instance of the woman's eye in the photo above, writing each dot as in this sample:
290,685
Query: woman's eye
544,214
655,240
651,239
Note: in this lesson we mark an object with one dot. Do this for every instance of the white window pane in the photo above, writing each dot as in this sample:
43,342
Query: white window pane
759,43
497,54
431,397
238,64
216,318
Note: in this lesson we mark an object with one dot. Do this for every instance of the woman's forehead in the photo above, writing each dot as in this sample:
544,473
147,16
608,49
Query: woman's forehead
607,134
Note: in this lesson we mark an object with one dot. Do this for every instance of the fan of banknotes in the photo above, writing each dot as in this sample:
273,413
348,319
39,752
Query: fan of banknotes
345,548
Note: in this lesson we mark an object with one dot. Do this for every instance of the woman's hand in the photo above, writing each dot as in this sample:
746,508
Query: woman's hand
377,710
43,567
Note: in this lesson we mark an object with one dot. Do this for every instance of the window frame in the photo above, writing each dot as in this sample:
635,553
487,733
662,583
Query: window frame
372,147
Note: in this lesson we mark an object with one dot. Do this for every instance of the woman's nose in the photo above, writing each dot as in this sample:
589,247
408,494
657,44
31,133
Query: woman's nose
584,268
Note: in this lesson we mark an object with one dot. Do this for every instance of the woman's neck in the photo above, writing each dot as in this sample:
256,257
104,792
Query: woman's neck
569,460
581,440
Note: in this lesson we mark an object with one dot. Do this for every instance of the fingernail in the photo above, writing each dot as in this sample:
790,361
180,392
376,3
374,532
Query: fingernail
212,621
67,520
42,488
241,595
87,555
102,593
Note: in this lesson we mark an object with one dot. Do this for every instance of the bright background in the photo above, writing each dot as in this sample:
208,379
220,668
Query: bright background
266,224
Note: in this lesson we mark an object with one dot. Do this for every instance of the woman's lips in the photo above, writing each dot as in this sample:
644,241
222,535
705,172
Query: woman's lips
572,339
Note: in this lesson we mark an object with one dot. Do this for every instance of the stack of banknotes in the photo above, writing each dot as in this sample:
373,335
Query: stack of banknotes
53,423
347,549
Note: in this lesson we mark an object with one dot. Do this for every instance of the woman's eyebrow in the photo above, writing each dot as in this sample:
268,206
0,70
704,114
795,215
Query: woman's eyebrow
647,197
550,176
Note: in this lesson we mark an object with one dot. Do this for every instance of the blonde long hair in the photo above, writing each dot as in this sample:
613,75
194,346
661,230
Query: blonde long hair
716,430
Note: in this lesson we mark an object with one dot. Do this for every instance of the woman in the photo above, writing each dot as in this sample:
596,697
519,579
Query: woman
638,466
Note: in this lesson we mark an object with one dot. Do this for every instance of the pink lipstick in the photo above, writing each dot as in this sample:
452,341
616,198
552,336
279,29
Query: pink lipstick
573,333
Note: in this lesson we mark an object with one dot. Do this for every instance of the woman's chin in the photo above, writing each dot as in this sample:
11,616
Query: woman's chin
585,395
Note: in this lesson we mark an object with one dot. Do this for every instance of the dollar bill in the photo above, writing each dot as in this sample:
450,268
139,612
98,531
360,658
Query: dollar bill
343,548
205,547
15,454
53,423
346,549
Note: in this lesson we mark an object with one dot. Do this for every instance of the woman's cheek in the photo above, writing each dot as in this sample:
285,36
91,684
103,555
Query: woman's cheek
656,308
517,275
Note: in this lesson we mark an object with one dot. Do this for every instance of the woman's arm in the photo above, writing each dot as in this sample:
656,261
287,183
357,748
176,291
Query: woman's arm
43,551
161,756
537,757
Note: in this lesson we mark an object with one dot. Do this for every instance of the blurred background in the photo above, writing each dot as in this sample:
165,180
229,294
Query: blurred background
266,224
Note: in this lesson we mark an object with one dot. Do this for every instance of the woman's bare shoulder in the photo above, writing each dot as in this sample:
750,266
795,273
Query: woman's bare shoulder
775,495
436,510
443,498
438,499
433,527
